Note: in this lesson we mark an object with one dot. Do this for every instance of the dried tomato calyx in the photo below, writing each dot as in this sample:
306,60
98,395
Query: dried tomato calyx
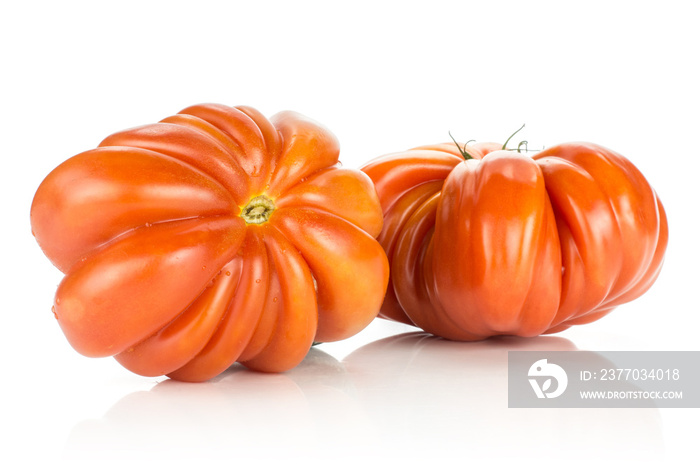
258,210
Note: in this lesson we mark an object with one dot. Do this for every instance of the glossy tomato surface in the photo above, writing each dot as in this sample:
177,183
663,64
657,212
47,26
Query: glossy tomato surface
213,236
499,243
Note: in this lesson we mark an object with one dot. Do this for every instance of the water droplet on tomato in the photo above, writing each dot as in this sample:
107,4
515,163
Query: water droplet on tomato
53,309
148,224
58,301
228,273
257,280
274,300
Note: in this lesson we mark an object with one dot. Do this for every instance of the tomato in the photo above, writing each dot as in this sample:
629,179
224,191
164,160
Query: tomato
213,236
506,244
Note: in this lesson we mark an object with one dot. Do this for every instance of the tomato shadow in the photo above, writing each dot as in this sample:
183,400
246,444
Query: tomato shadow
306,412
454,393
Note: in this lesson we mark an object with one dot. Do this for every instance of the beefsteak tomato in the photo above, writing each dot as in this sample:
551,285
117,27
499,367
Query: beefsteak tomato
213,236
484,241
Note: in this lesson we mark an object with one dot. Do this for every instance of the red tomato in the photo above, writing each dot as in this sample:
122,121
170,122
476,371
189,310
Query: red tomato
505,244
211,237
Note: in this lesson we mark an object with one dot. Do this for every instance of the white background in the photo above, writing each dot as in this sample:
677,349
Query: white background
383,76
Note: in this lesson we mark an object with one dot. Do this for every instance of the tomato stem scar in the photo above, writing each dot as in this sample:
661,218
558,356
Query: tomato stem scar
258,210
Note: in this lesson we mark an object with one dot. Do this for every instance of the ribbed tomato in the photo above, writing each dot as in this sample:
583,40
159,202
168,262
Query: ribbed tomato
213,236
506,244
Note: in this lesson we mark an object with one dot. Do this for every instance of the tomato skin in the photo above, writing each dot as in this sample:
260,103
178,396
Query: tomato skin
174,265
505,244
